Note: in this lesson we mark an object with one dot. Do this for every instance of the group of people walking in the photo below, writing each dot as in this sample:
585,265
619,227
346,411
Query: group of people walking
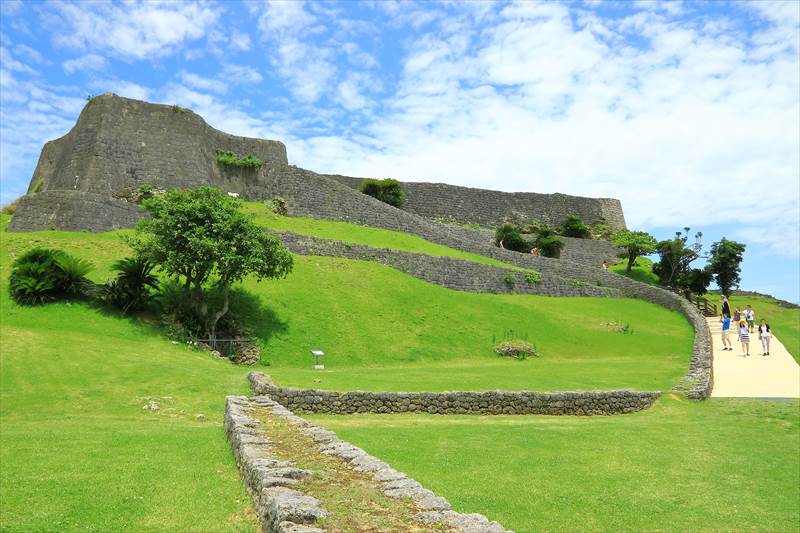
744,321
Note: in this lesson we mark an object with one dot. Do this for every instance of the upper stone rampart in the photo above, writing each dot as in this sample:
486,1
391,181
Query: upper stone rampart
467,205
120,143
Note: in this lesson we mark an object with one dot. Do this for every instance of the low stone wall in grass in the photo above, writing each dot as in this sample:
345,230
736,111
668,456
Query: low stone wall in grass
450,272
452,403
271,481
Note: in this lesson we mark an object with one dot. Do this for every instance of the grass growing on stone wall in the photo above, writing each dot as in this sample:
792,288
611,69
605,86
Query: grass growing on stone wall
718,465
366,235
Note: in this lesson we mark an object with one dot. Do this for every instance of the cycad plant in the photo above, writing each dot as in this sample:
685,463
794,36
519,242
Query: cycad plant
44,274
130,290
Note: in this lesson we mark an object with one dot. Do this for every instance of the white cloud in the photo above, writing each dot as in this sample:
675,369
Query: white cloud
87,62
240,41
29,53
9,62
241,74
131,30
204,84
128,89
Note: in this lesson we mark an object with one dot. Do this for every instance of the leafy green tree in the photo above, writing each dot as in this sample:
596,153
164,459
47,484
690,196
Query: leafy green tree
508,236
697,280
573,226
725,264
548,242
202,237
388,191
635,243
676,256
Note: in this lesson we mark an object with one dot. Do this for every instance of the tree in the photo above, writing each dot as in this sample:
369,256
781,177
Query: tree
388,191
202,237
508,236
676,257
573,226
725,264
635,243
547,241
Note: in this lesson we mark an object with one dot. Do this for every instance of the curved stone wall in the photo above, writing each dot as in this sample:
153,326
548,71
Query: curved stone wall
467,205
450,272
452,403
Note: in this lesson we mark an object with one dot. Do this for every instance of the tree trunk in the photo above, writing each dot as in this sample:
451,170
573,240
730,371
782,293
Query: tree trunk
211,326
631,260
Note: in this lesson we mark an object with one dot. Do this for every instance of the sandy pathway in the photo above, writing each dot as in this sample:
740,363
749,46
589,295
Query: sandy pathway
736,376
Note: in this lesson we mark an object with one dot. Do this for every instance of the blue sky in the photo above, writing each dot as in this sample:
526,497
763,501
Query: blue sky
687,112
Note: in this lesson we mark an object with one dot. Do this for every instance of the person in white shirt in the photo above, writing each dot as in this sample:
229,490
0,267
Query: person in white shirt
765,334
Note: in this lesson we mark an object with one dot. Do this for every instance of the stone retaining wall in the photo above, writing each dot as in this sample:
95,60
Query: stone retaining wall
73,211
457,274
452,403
283,509
468,205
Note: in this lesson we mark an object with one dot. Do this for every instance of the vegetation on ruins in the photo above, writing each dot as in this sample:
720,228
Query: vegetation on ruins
509,237
533,277
725,264
388,191
178,109
573,226
231,159
635,244
546,239
37,187
548,242
202,237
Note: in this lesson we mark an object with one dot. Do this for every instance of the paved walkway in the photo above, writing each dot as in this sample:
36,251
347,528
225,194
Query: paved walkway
736,376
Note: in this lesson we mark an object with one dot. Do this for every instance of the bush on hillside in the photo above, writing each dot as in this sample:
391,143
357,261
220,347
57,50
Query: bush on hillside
277,205
10,209
44,274
130,290
516,348
508,236
231,159
388,191
573,226
548,242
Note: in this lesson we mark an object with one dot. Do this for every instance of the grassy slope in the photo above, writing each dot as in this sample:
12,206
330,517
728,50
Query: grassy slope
353,233
642,270
383,330
719,465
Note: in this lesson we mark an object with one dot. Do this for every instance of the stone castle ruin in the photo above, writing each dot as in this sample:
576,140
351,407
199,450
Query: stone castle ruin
119,144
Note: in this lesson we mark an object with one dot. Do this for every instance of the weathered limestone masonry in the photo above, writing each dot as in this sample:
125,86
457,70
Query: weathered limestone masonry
467,205
457,274
452,403
283,509
56,209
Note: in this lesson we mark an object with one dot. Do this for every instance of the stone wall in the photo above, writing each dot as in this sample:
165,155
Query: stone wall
119,143
452,403
73,211
468,205
457,274
281,508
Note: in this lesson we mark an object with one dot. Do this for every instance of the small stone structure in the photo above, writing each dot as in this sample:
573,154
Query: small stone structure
452,403
283,509
487,208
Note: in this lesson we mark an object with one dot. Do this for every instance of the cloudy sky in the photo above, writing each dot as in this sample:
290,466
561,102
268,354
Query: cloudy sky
687,112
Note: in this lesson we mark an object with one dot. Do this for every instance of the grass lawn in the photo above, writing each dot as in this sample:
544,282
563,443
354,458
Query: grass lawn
79,453
719,465
642,270
366,235
384,330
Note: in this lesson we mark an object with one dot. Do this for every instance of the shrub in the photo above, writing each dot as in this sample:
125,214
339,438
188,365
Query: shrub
573,226
44,274
388,191
178,109
131,288
9,209
533,278
601,232
509,237
277,205
38,186
547,242
516,348
231,159
509,280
